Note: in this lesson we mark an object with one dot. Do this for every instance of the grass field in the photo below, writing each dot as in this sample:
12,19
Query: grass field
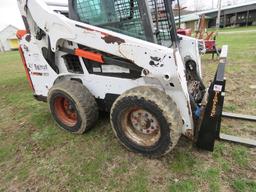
35,155
236,29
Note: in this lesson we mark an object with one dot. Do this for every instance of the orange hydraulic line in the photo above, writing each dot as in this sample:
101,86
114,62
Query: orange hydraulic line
89,55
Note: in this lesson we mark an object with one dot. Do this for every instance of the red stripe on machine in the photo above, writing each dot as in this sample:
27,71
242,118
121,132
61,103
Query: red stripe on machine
26,68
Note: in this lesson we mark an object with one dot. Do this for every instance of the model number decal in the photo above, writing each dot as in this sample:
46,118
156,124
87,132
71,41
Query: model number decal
36,67
40,67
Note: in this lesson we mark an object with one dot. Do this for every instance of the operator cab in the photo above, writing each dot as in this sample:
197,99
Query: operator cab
148,20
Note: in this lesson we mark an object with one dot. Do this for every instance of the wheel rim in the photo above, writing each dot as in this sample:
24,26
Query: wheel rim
141,126
65,111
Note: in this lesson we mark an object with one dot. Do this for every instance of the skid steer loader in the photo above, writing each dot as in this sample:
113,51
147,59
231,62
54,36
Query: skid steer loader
124,57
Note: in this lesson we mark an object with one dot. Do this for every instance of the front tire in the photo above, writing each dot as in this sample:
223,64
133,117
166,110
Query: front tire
146,120
72,106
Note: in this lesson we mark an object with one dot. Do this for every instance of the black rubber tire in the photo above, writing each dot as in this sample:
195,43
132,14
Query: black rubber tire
164,109
83,101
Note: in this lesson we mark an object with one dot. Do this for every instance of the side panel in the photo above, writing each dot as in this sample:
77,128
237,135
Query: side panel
40,72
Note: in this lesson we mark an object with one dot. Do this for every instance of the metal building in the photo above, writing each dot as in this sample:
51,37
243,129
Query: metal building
236,15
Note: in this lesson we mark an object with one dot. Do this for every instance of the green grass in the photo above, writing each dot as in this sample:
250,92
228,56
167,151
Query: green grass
181,186
241,185
10,62
183,162
240,71
36,155
6,152
212,176
235,29
240,156
230,107
138,182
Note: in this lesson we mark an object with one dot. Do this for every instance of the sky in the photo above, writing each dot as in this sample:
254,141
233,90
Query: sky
9,12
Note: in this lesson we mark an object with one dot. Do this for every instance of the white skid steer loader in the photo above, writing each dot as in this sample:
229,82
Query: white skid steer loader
124,57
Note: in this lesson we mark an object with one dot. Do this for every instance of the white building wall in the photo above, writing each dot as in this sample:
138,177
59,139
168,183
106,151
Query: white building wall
5,34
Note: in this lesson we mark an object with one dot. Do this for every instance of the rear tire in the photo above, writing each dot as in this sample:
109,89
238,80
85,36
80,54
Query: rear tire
146,120
72,106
